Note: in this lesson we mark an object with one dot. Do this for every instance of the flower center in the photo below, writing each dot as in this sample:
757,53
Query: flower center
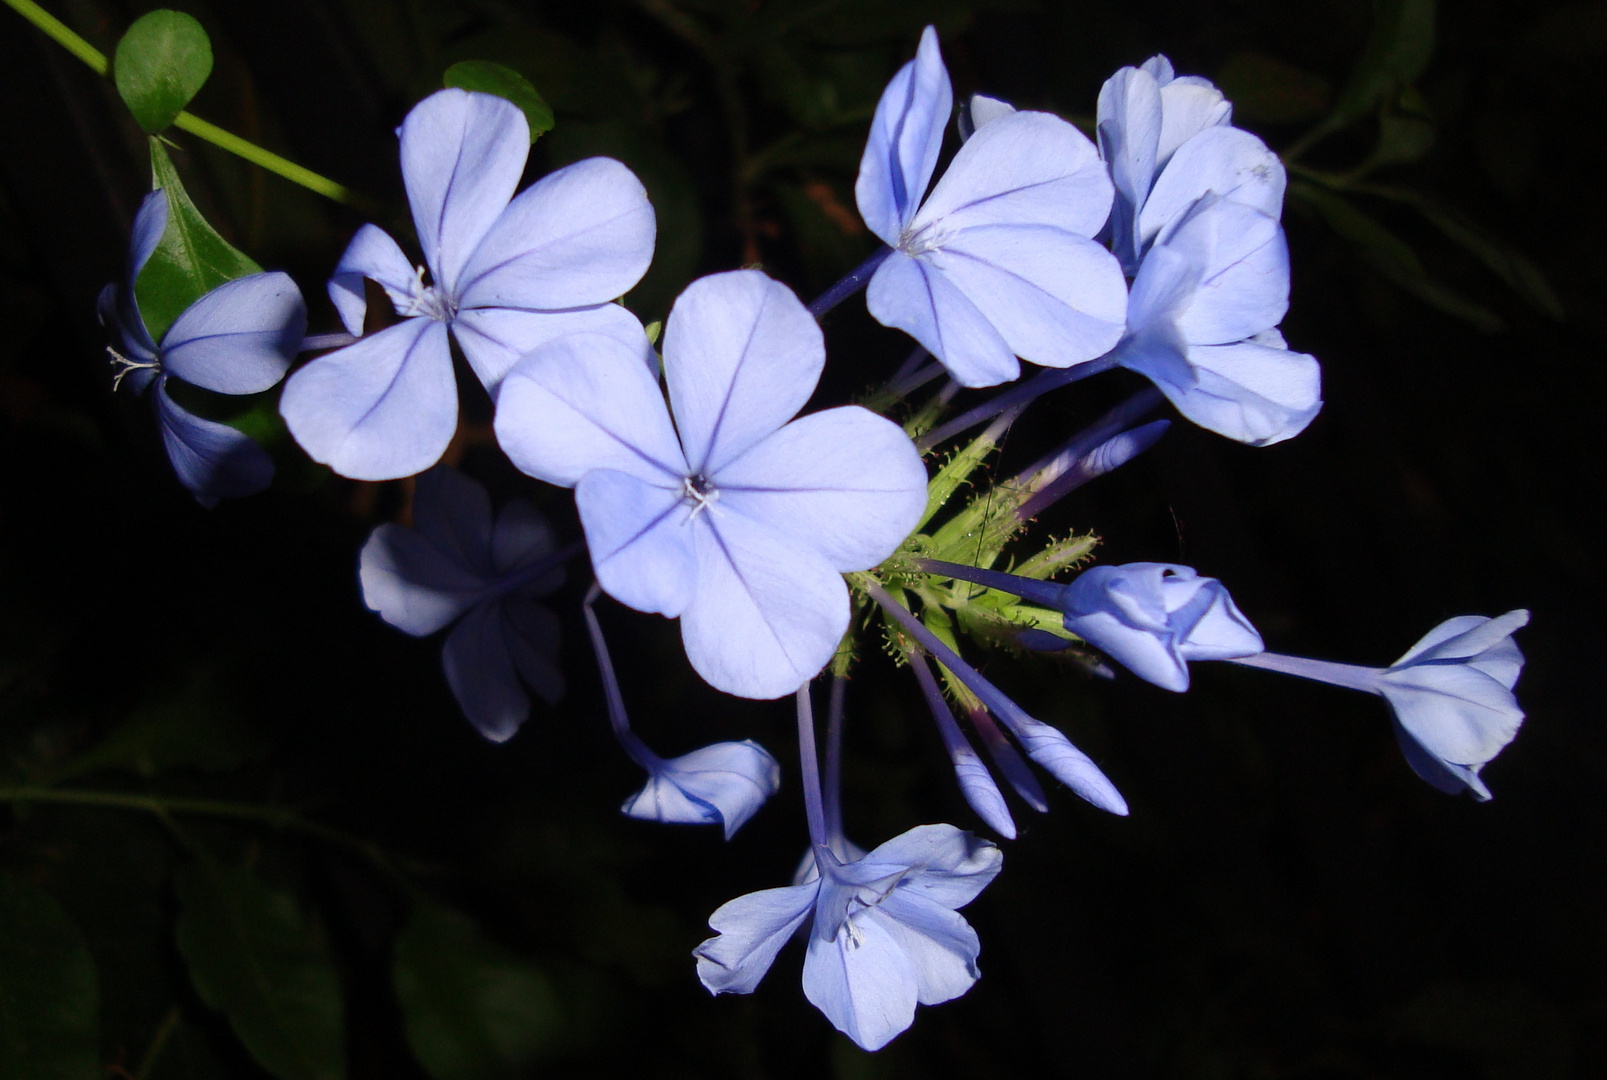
429,301
927,238
124,365
701,491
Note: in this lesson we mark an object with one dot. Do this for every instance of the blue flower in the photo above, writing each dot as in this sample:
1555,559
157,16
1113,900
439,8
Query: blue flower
1451,695
1168,141
885,933
507,276
998,261
456,563
237,339
723,784
1202,324
742,524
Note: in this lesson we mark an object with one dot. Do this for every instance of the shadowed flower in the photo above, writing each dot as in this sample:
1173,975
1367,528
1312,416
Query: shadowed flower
1451,695
237,339
456,563
884,931
998,262
731,518
507,276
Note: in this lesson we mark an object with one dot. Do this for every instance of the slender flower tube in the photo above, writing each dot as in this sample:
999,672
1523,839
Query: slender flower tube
722,784
1450,695
976,784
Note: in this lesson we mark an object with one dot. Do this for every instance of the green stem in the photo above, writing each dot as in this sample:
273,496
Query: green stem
58,32
162,808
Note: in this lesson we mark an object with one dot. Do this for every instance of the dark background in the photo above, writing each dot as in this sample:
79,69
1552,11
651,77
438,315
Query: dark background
1286,899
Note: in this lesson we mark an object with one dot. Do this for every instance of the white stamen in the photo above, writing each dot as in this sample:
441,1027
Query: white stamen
124,365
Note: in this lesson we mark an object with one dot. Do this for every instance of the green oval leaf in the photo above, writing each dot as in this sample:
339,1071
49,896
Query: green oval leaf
486,77
253,958
473,1010
160,64
192,258
49,999
1397,51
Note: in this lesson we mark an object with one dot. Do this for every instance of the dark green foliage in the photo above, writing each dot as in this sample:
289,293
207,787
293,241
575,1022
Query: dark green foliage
48,997
486,77
161,63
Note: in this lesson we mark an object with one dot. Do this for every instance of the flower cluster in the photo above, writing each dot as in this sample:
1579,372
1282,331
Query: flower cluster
776,538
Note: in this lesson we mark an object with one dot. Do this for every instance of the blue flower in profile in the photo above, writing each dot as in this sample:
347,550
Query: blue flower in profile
731,517
1168,140
884,931
457,563
237,339
507,276
1202,324
1451,695
723,784
998,262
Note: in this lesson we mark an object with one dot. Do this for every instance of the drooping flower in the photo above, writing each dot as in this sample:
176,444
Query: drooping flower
998,262
507,276
743,523
237,339
1451,695
1202,324
1168,140
1152,618
723,784
459,564
884,931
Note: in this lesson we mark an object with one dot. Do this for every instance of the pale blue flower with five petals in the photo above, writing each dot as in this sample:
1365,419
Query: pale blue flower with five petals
239,338
998,262
508,276
732,518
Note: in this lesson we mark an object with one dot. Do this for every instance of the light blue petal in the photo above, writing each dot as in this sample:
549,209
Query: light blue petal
1451,779
462,155
905,137
1129,128
940,945
845,482
767,613
751,931
907,294
1242,267
642,540
383,408
412,583
1028,168
453,513
1188,106
1252,393
581,235
1231,162
150,221
981,793
980,111
1164,286
372,255
494,340
1478,640
862,981
949,866
1457,713
1056,298
481,672
741,356
1219,631
724,784
1123,611
239,338
582,402
215,461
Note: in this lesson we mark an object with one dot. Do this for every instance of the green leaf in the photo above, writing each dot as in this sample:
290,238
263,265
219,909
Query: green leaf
473,1010
486,77
49,997
1391,256
1397,51
1265,90
191,260
254,959
192,725
161,63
